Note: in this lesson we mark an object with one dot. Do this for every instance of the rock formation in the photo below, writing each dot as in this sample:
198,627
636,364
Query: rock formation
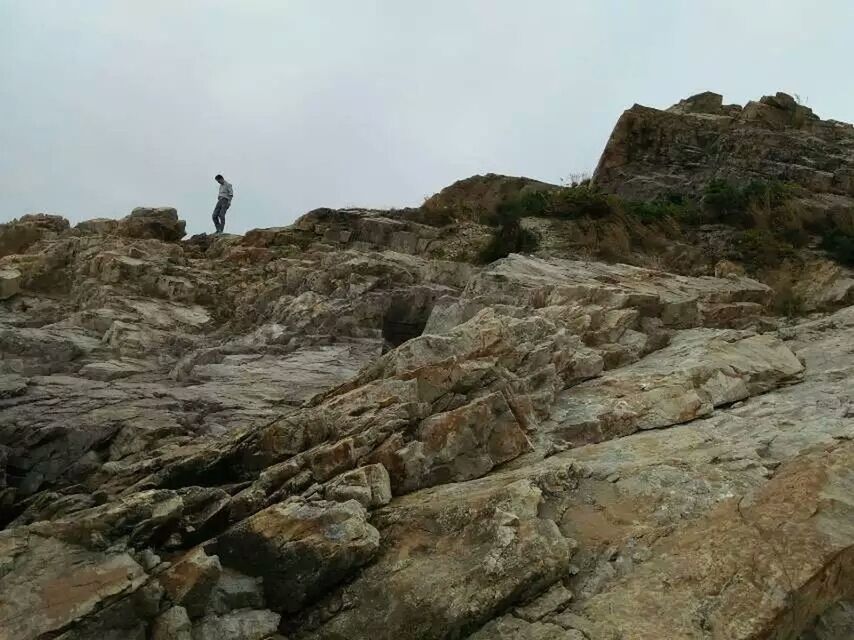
681,149
347,429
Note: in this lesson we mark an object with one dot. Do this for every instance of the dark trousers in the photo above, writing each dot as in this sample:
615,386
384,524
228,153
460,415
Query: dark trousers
222,205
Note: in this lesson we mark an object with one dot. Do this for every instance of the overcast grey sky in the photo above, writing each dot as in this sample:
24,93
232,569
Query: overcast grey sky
110,104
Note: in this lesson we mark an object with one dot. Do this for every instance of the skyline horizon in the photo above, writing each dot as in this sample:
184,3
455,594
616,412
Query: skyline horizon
588,173
107,106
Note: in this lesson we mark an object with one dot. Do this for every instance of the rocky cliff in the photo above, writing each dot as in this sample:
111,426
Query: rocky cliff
347,428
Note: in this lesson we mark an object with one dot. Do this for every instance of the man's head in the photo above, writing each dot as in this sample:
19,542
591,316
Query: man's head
219,178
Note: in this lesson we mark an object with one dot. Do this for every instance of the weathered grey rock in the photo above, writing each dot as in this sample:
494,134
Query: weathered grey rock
111,370
355,227
672,298
10,283
118,620
782,540
235,590
172,624
240,625
510,628
31,351
102,226
50,505
12,385
370,486
661,478
552,600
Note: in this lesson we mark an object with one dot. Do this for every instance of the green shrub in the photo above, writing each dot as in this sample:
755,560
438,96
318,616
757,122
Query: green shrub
795,236
508,238
525,204
673,205
579,201
840,246
789,303
564,202
730,202
724,199
770,193
749,205
759,248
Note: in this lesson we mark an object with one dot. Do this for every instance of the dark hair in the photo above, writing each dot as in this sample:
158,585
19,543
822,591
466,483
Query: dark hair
218,177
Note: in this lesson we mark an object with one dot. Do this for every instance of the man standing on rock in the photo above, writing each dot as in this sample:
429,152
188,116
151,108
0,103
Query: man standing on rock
223,202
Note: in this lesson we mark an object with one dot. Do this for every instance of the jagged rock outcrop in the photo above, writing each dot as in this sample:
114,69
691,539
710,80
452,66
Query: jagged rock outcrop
160,223
340,430
652,152
478,198
20,234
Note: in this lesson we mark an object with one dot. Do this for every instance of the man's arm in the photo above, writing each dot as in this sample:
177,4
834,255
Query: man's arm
229,190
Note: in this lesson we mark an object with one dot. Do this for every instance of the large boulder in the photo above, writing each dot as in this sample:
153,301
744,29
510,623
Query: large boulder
461,444
47,584
369,485
700,370
246,624
300,549
190,581
100,226
159,223
172,624
10,283
452,558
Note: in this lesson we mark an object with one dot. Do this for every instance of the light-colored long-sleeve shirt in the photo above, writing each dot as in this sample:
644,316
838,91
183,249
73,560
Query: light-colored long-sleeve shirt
225,190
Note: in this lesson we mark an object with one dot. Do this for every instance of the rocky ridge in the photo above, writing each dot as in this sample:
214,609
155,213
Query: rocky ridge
346,429
683,148
701,188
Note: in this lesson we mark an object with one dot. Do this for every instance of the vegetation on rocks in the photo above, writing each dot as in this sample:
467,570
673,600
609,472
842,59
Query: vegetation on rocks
768,220
840,246
737,204
566,203
675,206
509,237
758,248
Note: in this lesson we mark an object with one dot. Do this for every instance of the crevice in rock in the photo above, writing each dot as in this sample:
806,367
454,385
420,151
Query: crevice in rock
404,319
